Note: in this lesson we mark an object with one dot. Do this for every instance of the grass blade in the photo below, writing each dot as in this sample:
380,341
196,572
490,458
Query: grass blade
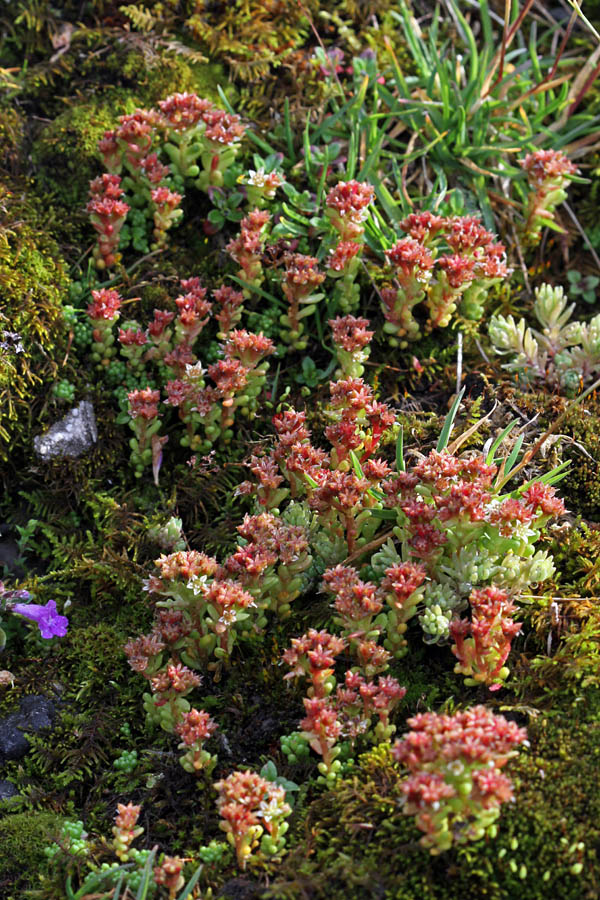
400,464
513,456
449,422
358,469
503,434
191,884
142,892
287,127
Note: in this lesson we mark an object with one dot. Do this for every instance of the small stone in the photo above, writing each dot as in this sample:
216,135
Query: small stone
6,678
73,435
36,713
7,790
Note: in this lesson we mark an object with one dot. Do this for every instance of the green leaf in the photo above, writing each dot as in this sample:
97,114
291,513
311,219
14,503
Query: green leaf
307,151
313,484
287,128
191,884
260,142
144,887
225,101
553,477
512,458
503,434
358,470
385,199
259,291
384,514
449,422
400,464
269,771
118,887
469,38
293,214
352,153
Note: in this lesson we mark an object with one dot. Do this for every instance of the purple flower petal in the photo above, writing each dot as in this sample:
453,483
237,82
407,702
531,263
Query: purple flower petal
47,618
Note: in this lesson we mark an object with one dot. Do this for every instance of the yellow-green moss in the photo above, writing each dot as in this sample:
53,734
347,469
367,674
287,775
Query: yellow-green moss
12,129
23,837
33,284
65,154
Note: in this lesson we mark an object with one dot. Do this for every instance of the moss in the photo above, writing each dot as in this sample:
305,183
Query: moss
65,154
567,619
23,837
94,658
34,282
172,73
12,130
582,488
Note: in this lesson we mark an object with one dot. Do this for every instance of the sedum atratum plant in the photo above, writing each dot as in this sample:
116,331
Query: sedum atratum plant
150,159
163,354
440,265
444,544
455,788
562,354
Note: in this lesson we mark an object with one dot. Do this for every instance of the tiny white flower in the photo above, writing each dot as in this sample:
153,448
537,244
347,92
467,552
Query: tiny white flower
194,371
456,767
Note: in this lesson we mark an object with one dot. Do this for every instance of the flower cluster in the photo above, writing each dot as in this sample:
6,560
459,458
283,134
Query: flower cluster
482,644
260,185
346,210
166,212
103,313
146,446
107,215
349,711
313,656
198,621
347,207
271,561
164,352
351,339
238,381
444,263
453,519
300,282
339,496
195,727
456,788
564,354
211,607
247,248
360,700
126,829
548,174
253,813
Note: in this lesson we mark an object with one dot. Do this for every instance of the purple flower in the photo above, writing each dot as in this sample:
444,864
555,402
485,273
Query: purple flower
50,623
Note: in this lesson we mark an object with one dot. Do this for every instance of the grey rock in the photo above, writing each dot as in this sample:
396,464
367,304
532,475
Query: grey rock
71,436
36,713
7,790
13,743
